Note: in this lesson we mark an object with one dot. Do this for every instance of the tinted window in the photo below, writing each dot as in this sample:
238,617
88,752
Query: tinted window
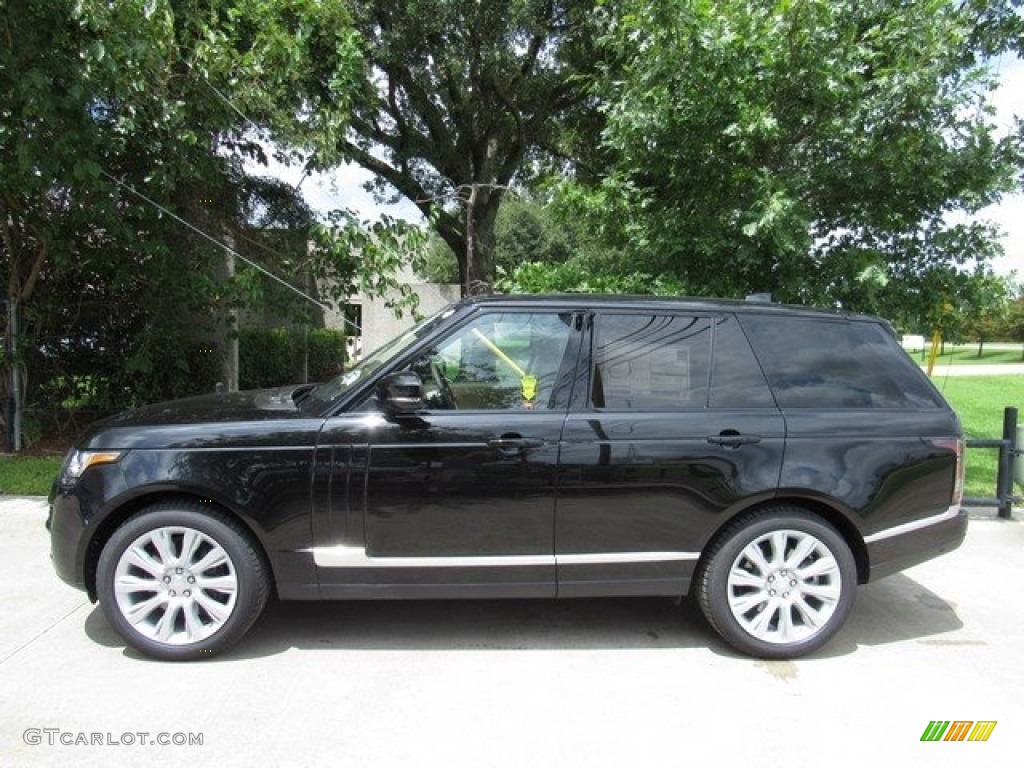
736,379
815,363
651,361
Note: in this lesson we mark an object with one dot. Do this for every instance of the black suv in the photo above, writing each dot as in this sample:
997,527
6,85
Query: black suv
763,459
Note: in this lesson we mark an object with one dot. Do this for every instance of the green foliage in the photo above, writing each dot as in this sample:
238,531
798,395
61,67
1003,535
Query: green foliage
106,335
349,256
526,230
1012,327
987,317
271,357
812,149
577,277
460,98
103,103
439,262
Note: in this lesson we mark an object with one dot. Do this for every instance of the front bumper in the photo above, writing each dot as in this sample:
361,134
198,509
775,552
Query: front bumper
67,539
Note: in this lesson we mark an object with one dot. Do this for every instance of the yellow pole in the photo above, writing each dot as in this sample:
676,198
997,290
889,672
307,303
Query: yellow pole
499,353
934,351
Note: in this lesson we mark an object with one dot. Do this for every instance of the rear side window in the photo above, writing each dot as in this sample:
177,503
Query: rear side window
736,378
815,363
651,361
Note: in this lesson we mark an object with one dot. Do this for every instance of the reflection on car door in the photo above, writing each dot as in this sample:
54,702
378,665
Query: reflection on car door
458,499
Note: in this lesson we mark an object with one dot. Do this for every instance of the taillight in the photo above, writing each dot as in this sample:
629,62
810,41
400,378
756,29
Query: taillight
956,445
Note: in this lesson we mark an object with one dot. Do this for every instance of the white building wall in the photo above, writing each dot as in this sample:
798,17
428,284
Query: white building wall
379,322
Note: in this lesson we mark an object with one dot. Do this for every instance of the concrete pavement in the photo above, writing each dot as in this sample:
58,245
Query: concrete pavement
519,683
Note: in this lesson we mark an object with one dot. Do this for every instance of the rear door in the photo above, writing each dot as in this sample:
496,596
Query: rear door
675,430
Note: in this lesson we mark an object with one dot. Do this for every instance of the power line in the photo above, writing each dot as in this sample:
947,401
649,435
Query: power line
215,241
234,107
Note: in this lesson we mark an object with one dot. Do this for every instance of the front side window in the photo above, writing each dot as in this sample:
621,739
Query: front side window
650,361
509,360
324,394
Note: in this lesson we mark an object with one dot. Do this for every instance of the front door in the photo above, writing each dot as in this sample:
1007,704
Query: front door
459,498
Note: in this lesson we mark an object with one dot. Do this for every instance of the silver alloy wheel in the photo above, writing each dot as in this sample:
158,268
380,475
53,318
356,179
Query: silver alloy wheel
784,586
175,585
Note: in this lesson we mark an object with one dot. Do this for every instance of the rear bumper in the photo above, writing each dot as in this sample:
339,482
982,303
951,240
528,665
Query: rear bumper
899,548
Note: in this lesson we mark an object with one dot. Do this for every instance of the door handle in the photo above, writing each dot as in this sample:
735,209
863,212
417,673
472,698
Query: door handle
514,445
733,439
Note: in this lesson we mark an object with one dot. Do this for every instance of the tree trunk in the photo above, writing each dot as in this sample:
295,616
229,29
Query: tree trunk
476,267
471,236
23,274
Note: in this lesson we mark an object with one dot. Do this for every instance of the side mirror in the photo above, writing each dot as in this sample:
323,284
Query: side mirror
401,393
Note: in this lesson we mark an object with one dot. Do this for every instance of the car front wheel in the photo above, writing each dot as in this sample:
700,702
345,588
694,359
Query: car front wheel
181,582
778,584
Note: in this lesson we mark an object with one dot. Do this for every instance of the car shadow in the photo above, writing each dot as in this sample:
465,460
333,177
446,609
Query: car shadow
892,610
896,609
431,625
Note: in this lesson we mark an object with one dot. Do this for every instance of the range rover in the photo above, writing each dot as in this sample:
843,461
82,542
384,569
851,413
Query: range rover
761,459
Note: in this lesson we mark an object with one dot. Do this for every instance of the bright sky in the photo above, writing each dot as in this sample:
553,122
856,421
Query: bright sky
1009,214
343,188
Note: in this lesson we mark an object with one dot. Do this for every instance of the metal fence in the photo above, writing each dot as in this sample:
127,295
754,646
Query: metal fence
1009,450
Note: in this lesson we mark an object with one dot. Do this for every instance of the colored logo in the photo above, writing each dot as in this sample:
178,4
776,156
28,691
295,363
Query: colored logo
958,730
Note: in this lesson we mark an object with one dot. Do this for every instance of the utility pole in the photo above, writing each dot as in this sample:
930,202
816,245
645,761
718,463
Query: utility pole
468,288
231,334
14,411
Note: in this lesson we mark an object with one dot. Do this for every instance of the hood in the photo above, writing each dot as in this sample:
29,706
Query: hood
217,420
254,405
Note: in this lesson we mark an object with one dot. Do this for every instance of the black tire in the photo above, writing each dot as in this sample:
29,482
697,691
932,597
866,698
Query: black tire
771,604
187,605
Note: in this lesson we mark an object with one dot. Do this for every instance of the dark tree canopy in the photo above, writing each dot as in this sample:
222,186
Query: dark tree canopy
828,151
460,97
168,98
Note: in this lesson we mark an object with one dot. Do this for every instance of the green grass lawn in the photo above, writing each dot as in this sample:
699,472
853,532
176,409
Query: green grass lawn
28,475
968,355
980,401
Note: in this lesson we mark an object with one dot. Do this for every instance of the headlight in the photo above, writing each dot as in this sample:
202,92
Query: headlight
79,461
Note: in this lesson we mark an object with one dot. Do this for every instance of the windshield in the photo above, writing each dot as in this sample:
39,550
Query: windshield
331,390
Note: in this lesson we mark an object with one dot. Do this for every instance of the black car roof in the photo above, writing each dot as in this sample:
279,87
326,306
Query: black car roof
694,303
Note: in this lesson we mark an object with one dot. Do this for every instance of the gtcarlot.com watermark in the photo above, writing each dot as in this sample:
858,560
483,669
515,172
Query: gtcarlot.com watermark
53,737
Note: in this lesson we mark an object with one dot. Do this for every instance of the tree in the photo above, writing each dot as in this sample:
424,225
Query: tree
525,230
815,149
459,97
119,120
163,91
1013,324
989,311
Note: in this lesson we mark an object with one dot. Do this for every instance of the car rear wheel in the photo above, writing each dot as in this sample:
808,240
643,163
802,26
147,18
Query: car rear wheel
778,584
180,581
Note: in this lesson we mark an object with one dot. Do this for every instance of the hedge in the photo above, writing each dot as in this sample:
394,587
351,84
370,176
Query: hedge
271,357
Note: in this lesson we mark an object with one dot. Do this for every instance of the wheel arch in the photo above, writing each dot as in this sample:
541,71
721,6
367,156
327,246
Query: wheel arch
117,516
821,509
